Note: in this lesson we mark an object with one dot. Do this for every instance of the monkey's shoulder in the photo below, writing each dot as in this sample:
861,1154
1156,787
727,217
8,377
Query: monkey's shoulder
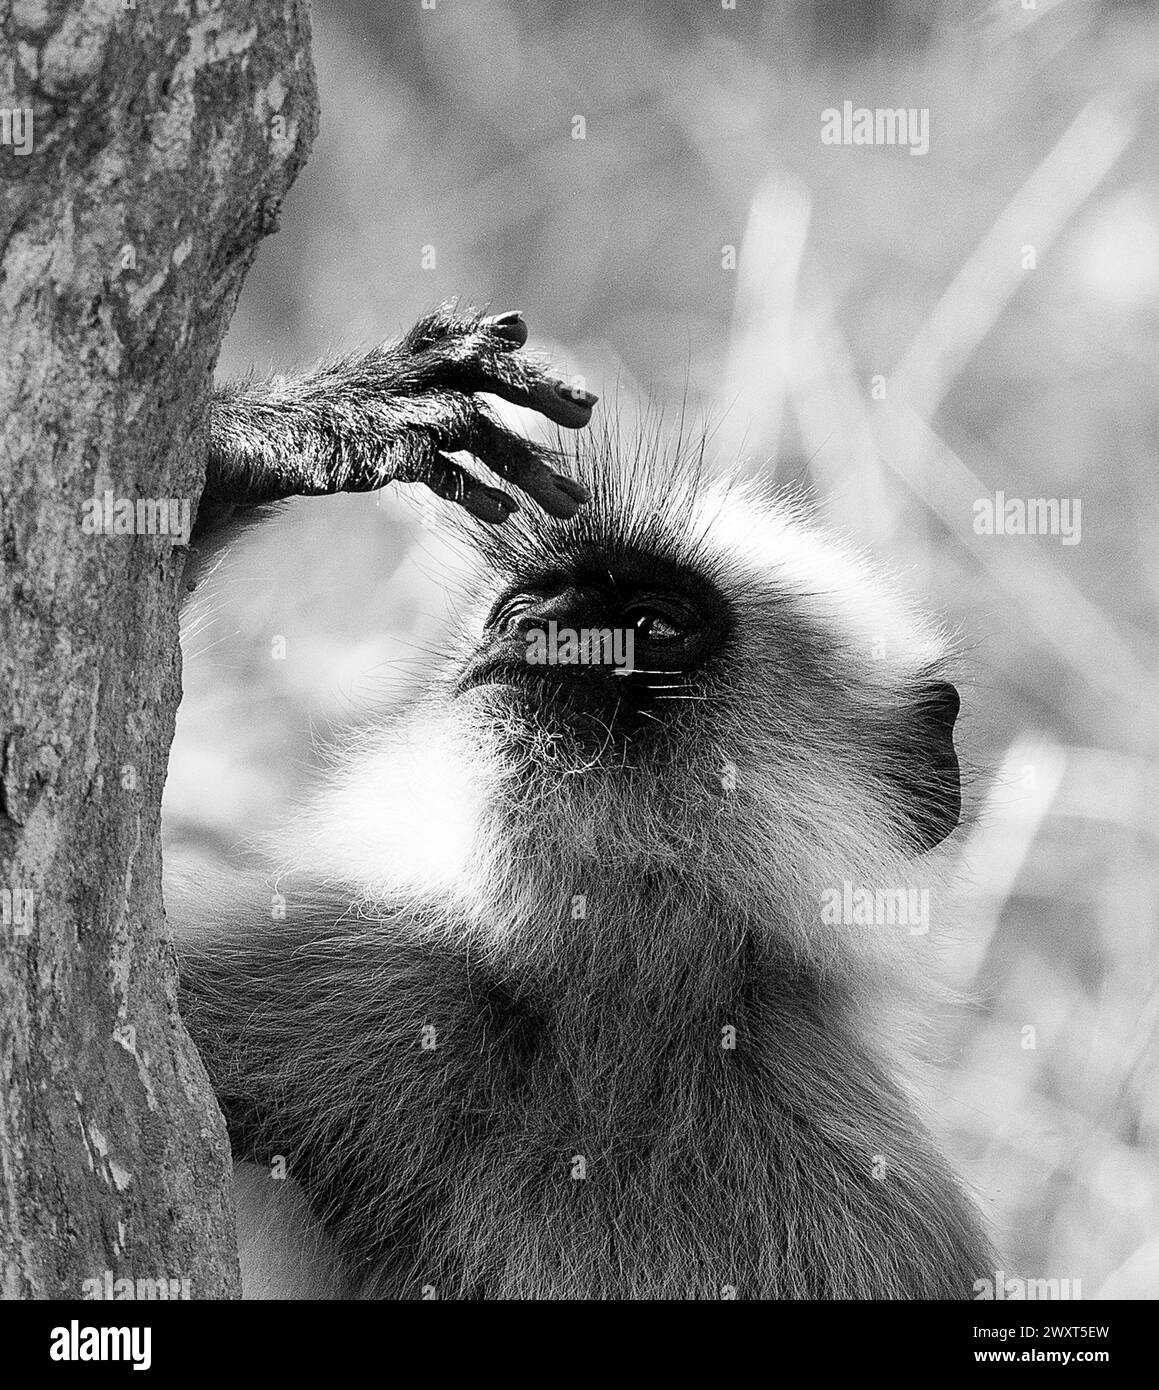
440,1117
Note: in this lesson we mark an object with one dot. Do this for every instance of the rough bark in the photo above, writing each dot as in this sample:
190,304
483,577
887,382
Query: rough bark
163,138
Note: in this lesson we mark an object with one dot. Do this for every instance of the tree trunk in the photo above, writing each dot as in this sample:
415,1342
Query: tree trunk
145,152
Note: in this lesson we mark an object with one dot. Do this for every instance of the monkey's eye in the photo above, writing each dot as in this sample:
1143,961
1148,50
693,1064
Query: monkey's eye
651,627
655,623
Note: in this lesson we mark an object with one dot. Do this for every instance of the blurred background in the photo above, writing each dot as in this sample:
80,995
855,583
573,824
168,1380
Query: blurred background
906,334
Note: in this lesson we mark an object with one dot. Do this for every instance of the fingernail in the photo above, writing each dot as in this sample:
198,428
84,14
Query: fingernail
576,491
575,394
509,326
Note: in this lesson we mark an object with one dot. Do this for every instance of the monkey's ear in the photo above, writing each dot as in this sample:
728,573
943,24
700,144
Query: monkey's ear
928,775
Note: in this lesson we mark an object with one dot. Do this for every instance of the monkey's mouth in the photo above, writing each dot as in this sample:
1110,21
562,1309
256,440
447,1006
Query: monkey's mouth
500,672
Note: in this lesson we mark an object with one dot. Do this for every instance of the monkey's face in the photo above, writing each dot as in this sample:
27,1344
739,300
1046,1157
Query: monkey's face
598,652
709,668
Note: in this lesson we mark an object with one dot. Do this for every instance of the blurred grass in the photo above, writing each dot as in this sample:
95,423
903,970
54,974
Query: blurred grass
452,128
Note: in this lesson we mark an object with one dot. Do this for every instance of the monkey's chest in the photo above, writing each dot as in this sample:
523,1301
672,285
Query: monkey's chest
610,1190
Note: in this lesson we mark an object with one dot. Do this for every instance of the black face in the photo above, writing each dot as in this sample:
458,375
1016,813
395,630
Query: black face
619,644
608,642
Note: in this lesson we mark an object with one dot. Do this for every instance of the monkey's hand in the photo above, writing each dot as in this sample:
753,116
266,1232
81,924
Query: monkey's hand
393,415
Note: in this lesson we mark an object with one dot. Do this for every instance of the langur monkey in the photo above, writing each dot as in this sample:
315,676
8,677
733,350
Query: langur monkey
562,1006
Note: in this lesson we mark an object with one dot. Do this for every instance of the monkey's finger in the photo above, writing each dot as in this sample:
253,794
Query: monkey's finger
472,352
569,406
447,479
476,362
509,327
522,464
521,382
505,332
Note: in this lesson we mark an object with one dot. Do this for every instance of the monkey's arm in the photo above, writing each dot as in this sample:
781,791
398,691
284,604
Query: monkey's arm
311,1032
393,415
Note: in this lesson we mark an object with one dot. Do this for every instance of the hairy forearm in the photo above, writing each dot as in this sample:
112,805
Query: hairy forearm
394,414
